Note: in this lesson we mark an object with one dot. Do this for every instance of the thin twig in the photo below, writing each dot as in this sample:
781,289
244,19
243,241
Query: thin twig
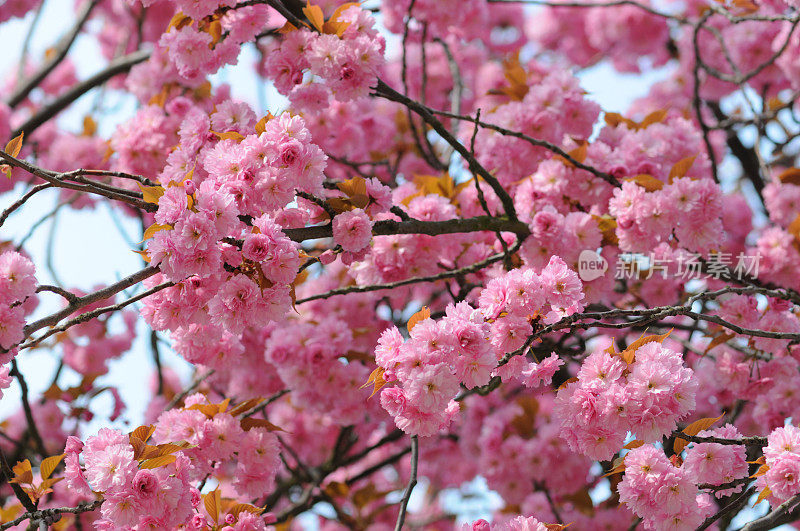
412,482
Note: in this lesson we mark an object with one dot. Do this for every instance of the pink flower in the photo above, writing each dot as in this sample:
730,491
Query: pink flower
352,230
145,484
431,388
562,285
17,281
783,476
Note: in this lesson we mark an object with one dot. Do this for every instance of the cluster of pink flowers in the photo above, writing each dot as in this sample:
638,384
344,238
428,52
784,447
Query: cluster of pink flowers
611,397
17,289
220,445
553,108
688,209
516,523
352,230
625,34
155,489
343,64
301,351
89,346
132,495
782,453
226,255
717,464
514,443
442,17
17,299
663,495
464,347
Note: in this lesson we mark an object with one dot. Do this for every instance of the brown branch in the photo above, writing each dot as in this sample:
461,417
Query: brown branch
117,66
60,52
385,91
734,505
433,278
33,430
83,185
23,498
21,201
782,514
51,514
431,228
412,482
98,295
88,316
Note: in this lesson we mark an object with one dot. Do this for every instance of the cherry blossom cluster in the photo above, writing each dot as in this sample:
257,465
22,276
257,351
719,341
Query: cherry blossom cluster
625,34
716,464
89,346
548,105
17,299
212,230
287,256
312,65
661,493
222,445
133,495
145,484
517,523
780,473
647,396
17,289
464,347
687,209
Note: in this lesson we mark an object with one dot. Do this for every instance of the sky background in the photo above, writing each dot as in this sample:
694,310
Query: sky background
94,246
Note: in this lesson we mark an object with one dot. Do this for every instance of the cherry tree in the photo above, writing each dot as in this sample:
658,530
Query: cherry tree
432,257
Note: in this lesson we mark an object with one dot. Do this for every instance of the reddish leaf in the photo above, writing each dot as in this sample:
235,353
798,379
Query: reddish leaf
790,176
375,378
23,474
681,168
648,182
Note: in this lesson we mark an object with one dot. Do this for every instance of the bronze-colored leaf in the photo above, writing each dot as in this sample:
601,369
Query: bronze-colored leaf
376,379
49,464
646,181
248,423
157,462
144,432
681,168
151,194
245,406
23,474
213,503
790,176
763,495
15,145
693,429
424,313
314,14
719,340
